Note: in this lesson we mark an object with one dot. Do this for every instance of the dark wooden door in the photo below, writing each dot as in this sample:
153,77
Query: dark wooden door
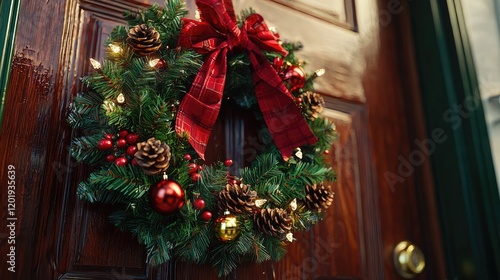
384,192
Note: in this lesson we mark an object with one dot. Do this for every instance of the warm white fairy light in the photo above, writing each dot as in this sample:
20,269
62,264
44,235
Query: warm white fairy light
293,204
260,202
153,62
320,72
197,15
121,98
96,64
114,48
289,237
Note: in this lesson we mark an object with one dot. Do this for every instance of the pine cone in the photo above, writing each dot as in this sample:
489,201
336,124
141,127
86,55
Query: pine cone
237,198
273,221
317,197
153,156
144,40
313,104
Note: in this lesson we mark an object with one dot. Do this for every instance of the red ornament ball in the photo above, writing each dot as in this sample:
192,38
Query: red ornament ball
109,136
161,64
193,167
187,157
228,162
132,138
121,143
121,161
206,215
123,133
110,158
104,144
199,203
131,150
295,77
166,197
298,100
278,63
195,177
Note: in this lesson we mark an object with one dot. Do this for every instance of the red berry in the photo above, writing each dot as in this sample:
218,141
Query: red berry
109,136
110,158
233,182
131,150
200,167
206,216
132,138
199,204
195,177
193,167
326,152
298,100
134,162
121,161
123,133
228,162
187,157
121,143
104,144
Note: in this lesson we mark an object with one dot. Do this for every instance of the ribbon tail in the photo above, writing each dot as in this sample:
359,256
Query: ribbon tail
283,118
200,107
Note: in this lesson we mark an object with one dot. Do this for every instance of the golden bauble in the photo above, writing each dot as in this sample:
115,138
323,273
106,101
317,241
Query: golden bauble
227,227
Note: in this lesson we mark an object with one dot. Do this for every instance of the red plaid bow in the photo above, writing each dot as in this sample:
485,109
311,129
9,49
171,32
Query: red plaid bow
215,35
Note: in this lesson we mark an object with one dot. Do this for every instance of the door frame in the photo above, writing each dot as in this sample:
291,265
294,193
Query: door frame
9,13
466,186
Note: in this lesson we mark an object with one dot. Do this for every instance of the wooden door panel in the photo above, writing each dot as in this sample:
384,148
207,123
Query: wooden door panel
368,65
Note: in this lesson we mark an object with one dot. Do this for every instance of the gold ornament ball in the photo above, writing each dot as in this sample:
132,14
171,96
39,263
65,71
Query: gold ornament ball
227,227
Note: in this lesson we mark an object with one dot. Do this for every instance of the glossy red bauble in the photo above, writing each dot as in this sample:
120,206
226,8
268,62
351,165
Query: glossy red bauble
104,144
228,162
132,138
199,203
131,150
110,158
121,143
278,63
196,177
123,133
187,157
166,197
193,167
109,136
121,161
206,216
295,77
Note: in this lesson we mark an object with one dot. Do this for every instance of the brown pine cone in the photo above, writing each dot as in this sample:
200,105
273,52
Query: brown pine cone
313,104
274,222
153,156
237,198
318,197
144,40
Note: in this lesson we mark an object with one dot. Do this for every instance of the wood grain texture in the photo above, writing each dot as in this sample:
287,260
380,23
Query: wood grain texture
372,95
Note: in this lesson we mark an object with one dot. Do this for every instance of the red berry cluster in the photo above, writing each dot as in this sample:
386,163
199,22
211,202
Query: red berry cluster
193,169
199,204
122,150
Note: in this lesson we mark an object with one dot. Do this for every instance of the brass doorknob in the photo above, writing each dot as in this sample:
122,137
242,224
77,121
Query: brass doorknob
408,259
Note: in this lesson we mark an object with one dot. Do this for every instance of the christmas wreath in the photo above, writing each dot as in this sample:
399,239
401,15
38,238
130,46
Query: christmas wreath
145,117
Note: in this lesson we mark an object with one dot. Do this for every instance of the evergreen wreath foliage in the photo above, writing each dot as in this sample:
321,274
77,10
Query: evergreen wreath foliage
151,97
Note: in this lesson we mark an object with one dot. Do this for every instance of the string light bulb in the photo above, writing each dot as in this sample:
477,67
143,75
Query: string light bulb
115,48
96,64
121,98
154,62
319,72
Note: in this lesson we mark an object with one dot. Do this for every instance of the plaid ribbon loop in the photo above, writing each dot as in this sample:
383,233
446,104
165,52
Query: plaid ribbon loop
215,35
